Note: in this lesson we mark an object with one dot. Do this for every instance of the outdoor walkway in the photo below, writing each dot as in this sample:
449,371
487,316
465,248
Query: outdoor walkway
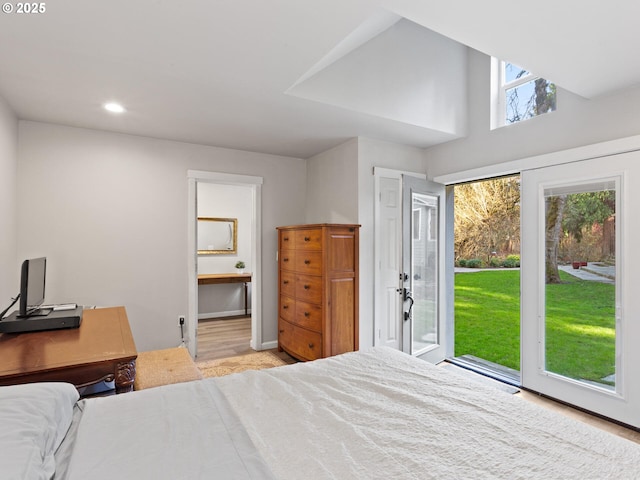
594,272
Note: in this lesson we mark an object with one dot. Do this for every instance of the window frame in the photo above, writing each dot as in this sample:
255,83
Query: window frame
499,88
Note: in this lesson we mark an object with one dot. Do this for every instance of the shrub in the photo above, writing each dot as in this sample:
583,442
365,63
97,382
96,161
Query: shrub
474,263
462,262
495,262
511,261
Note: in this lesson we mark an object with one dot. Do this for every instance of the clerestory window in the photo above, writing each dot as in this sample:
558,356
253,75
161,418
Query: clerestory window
518,94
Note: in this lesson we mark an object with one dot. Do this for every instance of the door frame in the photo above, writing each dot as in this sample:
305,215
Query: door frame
589,152
447,255
255,183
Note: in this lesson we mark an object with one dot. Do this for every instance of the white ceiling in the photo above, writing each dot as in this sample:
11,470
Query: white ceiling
217,72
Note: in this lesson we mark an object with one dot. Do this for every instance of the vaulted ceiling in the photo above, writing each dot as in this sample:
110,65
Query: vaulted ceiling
296,77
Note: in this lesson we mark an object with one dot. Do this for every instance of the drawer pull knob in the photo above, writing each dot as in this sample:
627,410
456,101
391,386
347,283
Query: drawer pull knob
307,239
286,282
285,307
281,331
285,239
306,314
285,259
307,287
307,262
310,345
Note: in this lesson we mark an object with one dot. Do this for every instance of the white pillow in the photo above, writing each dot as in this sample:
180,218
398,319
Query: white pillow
34,418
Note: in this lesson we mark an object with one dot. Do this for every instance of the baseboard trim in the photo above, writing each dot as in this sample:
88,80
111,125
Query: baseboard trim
230,313
269,345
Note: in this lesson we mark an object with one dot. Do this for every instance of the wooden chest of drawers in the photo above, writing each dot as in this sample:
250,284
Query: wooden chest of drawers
318,290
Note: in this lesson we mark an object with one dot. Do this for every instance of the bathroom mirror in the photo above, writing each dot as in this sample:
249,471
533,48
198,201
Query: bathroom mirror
217,236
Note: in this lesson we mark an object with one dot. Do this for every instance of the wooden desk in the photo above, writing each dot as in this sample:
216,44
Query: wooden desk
217,278
101,349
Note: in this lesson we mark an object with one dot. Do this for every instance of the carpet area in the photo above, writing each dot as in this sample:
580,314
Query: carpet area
162,367
250,361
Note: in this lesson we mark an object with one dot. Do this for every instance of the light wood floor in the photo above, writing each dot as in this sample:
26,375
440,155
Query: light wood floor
229,337
611,427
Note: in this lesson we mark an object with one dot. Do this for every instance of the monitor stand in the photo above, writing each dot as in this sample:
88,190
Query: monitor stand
55,320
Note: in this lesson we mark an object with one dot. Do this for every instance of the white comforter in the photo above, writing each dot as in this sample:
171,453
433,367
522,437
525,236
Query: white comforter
382,414
182,431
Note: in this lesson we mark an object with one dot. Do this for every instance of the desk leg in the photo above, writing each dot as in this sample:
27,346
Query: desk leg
125,374
246,311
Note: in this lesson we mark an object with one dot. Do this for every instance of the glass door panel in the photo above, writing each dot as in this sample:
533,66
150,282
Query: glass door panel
580,283
424,330
424,271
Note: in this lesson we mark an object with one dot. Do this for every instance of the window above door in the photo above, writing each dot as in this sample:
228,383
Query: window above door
517,94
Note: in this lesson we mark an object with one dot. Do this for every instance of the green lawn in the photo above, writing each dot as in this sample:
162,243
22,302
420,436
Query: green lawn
580,341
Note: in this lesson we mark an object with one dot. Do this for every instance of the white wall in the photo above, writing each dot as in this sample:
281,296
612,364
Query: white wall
576,122
340,189
9,265
407,73
332,186
225,201
110,213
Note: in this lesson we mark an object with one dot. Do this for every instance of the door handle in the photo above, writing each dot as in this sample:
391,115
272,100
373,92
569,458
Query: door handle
407,295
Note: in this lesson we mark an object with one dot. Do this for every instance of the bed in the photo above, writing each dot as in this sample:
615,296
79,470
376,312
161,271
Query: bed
371,414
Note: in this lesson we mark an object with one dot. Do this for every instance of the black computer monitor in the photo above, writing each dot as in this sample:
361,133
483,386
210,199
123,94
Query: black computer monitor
32,282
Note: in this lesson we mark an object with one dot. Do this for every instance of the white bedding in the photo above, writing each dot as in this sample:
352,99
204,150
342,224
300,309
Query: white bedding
34,419
382,414
376,414
181,431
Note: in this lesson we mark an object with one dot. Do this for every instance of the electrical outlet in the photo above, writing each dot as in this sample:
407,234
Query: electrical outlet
181,320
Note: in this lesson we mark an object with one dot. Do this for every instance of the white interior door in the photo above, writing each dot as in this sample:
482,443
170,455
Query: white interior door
589,359
423,276
388,306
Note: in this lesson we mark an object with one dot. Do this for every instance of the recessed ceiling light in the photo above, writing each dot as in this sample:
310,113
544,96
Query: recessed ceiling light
114,107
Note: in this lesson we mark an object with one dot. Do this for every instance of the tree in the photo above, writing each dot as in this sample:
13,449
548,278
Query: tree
545,96
585,209
487,217
554,207
568,216
541,98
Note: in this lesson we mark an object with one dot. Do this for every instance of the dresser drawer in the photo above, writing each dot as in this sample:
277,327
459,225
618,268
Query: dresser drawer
287,260
287,283
287,308
309,288
308,315
286,240
302,343
308,239
309,263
